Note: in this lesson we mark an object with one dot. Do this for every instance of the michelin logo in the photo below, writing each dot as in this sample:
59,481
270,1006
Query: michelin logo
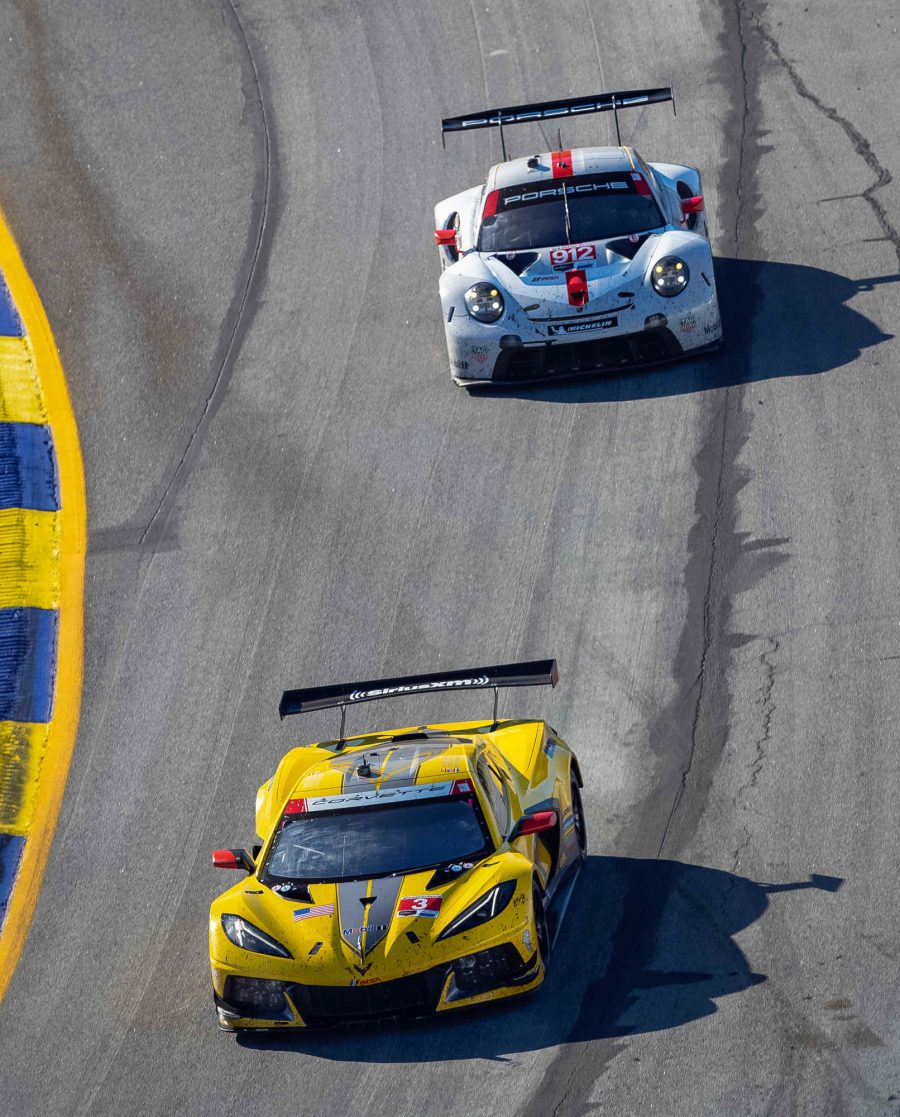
581,327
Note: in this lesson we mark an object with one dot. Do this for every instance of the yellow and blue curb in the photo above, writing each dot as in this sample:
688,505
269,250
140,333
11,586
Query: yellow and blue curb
42,547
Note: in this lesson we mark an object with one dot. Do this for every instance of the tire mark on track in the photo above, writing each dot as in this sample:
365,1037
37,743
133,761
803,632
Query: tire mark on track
246,302
703,698
252,272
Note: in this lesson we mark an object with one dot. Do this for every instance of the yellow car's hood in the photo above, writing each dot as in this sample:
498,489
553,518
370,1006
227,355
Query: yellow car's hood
380,928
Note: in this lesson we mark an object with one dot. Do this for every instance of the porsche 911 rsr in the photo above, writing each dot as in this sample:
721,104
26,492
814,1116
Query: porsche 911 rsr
400,873
574,261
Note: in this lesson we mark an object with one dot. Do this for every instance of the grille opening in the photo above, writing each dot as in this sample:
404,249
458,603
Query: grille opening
607,354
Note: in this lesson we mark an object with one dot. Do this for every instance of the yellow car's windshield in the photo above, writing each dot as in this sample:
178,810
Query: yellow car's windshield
377,841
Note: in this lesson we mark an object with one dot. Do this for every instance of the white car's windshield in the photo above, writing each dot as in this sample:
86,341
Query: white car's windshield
600,206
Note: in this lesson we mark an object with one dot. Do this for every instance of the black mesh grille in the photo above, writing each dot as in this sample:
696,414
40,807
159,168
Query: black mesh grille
333,1004
488,969
601,355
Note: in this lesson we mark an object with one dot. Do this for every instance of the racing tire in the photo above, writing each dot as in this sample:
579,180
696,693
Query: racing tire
578,815
541,930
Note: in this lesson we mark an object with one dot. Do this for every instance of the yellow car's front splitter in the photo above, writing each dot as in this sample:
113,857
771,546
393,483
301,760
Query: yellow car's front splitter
418,995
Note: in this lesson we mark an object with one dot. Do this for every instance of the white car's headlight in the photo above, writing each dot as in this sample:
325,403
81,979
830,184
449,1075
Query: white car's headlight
669,276
484,302
248,937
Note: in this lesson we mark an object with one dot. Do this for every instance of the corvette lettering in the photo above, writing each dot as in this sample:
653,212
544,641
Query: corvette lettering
378,796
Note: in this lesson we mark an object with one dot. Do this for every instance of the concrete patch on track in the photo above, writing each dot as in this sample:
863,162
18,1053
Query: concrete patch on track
42,545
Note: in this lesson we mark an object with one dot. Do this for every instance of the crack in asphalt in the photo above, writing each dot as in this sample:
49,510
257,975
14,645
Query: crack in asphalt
745,116
861,145
767,659
767,705
706,629
243,306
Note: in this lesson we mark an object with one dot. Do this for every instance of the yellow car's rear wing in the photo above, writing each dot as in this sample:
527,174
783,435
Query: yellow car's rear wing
539,672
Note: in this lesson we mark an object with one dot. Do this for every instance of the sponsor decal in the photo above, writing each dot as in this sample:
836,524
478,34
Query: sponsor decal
635,238
311,913
688,324
568,823
550,746
379,796
479,353
608,323
711,329
557,191
427,907
460,867
526,939
543,278
364,930
415,688
572,254
459,364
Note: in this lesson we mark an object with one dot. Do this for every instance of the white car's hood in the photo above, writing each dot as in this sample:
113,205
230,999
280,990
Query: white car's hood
537,279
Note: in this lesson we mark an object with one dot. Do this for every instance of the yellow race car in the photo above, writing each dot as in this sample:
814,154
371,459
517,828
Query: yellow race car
401,873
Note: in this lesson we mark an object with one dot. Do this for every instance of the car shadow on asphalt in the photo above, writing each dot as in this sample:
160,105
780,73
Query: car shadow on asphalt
647,945
779,320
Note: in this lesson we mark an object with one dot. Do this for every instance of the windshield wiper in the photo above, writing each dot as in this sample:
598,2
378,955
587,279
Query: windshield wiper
566,208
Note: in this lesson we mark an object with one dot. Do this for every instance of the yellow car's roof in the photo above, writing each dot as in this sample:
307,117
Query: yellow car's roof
389,765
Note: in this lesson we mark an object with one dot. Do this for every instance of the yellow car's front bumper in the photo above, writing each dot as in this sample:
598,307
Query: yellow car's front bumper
493,974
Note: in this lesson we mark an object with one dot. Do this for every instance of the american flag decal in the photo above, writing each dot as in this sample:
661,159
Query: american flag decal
308,913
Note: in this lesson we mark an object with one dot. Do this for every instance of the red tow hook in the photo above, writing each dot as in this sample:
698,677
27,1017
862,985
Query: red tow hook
576,285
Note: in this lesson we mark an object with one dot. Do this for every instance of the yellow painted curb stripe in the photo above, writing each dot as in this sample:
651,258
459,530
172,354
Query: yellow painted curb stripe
23,747
72,535
29,558
21,399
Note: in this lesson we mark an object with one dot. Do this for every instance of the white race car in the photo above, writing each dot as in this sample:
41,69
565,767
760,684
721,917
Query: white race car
574,261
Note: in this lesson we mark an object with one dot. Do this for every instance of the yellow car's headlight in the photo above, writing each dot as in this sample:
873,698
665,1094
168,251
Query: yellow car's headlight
482,911
249,937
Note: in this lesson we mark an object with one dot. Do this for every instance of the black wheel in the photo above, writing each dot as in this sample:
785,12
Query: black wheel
540,926
578,815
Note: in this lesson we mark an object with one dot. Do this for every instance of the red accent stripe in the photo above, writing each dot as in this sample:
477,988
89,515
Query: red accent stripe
576,285
640,184
295,806
561,163
490,205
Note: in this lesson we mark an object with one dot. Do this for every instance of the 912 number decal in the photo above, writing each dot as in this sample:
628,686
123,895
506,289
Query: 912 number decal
572,254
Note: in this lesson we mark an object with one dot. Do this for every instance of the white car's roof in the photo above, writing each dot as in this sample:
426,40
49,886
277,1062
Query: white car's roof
557,164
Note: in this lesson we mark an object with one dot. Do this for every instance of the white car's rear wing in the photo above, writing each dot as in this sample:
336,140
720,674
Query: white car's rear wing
553,110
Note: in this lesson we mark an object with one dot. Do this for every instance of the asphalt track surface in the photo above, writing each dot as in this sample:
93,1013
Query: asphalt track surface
226,209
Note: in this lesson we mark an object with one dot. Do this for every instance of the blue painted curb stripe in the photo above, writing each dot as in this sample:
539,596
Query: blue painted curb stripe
27,663
11,846
10,322
28,474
